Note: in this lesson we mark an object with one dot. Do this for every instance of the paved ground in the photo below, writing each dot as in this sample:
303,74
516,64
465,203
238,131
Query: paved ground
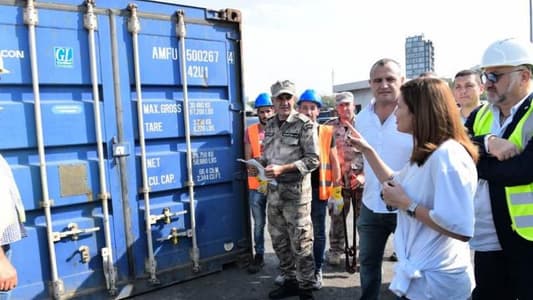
235,283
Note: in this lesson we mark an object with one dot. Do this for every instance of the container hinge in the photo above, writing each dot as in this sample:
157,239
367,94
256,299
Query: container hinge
228,14
74,231
235,107
110,272
233,36
166,215
174,234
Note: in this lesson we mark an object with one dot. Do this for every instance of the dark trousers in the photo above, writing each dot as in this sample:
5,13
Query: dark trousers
374,230
493,278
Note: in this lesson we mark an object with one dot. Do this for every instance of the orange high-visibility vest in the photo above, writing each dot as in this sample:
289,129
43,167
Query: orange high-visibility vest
325,136
253,137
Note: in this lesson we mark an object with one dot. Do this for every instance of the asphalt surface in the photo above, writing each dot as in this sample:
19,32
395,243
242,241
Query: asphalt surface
233,282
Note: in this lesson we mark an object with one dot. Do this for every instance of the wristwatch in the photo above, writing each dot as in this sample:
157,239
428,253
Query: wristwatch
411,210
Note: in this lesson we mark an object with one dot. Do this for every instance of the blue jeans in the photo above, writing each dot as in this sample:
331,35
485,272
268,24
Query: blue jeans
257,202
374,230
318,216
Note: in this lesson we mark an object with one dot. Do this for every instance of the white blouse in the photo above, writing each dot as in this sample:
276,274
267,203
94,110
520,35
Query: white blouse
432,265
11,208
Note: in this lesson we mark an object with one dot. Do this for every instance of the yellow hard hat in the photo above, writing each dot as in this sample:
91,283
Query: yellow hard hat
2,69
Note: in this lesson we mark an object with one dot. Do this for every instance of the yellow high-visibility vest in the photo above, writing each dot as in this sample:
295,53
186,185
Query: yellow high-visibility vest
519,198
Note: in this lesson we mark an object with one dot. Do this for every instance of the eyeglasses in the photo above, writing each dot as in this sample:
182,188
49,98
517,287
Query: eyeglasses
284,97
494,77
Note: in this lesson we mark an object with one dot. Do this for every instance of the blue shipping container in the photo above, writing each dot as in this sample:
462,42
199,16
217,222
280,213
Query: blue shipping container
116,116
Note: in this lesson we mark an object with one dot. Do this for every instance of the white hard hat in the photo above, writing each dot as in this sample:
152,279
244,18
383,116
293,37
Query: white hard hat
2,69
508,52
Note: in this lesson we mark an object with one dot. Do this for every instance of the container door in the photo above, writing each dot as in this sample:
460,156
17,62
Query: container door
216,131
69,130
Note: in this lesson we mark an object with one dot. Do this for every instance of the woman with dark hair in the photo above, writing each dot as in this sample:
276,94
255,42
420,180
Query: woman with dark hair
434,193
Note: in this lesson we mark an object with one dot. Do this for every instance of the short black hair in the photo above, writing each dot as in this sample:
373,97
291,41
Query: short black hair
468,72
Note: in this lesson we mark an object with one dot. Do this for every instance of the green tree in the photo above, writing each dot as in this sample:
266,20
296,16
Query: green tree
328,101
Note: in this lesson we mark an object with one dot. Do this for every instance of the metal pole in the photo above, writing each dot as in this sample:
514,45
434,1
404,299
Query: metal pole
134,27
107,253
531,21
180,30
31,19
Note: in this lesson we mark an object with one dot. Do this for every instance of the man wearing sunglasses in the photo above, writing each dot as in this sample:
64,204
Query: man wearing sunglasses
503,129
290,154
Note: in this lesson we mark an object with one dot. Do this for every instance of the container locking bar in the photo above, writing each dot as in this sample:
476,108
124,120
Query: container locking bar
74,231
31,18
166,216
134,26
181,33
90,23
174,234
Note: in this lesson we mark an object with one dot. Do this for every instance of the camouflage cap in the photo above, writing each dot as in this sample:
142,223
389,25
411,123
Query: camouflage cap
344,97
283,87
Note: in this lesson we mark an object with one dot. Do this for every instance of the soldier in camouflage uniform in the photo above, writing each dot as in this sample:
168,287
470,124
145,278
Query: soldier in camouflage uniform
290,154
351,161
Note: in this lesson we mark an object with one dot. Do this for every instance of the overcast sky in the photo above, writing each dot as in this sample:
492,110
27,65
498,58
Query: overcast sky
308,40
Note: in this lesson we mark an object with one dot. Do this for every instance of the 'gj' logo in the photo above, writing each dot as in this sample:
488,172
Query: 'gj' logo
64,57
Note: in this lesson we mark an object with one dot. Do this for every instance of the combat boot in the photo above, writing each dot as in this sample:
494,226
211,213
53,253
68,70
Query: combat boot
306,294
288,289
257,264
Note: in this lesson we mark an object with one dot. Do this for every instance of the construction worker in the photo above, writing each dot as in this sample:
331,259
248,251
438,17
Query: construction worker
12,216
290,154
467,90
323,179
503,130
352,177
253,143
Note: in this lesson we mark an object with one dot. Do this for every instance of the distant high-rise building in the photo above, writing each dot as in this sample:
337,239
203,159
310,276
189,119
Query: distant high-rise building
419,56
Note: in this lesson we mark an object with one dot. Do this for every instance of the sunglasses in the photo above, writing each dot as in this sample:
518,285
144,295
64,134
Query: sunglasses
284,97
494,77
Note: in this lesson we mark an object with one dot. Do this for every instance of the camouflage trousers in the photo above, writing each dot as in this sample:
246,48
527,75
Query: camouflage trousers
291,231
336,229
